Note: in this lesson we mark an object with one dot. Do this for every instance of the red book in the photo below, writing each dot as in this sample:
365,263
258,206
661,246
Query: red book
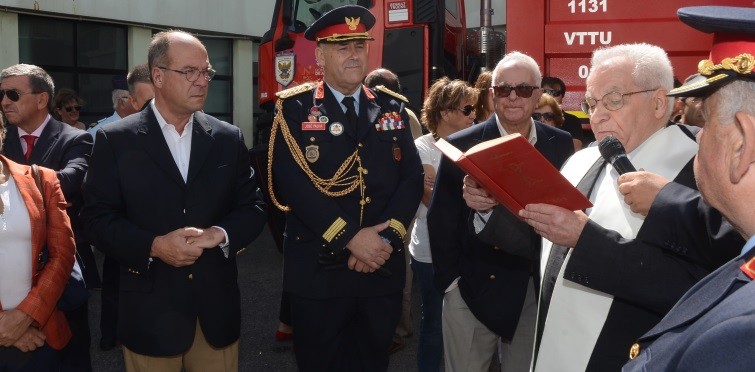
515,173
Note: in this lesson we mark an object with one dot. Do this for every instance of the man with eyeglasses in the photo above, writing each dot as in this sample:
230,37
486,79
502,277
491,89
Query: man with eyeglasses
35,137
556,88
345,170
611,273
488,271
121,105
171,197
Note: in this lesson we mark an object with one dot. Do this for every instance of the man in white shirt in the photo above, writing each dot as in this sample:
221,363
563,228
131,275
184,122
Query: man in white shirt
171,197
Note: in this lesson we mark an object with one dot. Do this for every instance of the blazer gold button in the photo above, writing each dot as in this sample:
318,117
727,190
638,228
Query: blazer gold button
634,351
492,276
495,248
191,276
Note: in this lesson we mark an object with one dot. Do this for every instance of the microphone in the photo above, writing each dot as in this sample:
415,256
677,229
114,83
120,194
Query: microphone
613,151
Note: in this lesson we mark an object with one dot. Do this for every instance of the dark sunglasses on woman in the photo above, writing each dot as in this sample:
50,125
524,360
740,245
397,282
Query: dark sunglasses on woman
71,108
540,116
466,110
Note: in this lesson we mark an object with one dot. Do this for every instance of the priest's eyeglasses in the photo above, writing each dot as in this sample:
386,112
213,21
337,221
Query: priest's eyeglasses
611,101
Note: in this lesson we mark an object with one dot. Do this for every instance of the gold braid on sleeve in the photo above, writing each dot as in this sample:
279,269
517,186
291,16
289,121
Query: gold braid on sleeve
339,185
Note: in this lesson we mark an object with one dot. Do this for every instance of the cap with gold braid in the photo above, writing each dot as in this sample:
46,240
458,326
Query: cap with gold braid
732,55
345,23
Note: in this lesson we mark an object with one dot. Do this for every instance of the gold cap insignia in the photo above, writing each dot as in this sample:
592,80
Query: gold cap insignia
742,64
353,22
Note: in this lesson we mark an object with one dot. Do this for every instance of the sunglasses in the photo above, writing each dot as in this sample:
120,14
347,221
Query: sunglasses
543,116
13,94
522,90
71,108
466,110
553,92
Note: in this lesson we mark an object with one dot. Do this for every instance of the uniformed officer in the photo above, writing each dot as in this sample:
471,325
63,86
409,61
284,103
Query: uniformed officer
345,170
712,327
121,105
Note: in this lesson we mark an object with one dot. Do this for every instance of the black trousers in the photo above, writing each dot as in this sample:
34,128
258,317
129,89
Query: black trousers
75,357
111,278
344,334
43,359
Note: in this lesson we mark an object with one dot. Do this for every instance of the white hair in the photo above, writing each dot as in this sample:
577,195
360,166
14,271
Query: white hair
118,94
651,66
736,96
521,59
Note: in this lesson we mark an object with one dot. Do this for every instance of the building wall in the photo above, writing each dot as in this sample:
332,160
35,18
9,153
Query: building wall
242,97
240,17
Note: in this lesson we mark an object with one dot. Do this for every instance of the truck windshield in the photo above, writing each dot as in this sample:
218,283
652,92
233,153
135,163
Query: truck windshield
307,11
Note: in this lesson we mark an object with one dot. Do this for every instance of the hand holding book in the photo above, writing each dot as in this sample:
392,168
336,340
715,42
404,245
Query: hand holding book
477,197
511,170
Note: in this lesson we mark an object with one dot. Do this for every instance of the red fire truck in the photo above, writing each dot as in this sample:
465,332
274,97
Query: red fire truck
419,40
561,34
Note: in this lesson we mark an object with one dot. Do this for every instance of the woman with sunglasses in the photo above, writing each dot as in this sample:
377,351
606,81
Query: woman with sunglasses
68,108
549,112
448,108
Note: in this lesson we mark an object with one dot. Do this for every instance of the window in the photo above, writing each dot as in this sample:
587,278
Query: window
307,12
452,7
83,56
220,96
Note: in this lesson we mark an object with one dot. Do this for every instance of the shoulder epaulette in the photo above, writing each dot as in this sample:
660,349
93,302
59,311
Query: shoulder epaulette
290,92
383,89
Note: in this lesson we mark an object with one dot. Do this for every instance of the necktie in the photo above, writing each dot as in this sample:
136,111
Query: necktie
351,112
29,145
558,255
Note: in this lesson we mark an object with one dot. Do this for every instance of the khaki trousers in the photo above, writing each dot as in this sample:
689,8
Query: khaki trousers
200,357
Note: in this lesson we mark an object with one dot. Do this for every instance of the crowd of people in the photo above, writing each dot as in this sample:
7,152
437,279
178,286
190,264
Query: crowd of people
653,276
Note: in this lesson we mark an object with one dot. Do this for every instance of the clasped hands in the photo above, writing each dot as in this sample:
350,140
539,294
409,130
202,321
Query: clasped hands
182,247
368,249
16,330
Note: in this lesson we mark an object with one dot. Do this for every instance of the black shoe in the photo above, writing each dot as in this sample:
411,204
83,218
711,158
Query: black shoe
107,343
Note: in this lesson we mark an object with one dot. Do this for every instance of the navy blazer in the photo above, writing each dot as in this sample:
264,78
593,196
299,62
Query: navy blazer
493,281
711,328
134,192
60,147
